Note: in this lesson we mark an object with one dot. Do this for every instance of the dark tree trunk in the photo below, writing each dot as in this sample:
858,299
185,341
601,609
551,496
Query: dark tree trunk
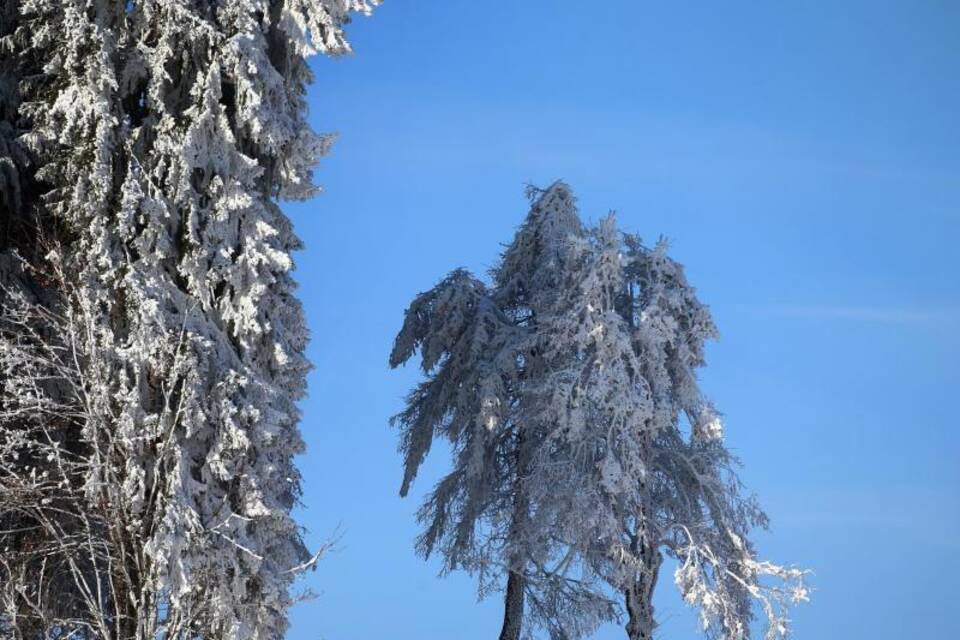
513,607
640,613
639,597
513,599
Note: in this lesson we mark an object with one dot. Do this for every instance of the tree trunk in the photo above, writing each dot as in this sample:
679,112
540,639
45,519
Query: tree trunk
639,597
513,607
513,600
640,614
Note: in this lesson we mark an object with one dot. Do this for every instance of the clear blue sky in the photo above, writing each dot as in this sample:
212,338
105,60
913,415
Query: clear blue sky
805,160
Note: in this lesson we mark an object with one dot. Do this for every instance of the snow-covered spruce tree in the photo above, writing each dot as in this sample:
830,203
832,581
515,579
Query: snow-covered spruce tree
563,388
15,188
641,448
485,381
164,132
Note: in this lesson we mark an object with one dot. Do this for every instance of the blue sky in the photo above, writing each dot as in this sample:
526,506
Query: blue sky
804,159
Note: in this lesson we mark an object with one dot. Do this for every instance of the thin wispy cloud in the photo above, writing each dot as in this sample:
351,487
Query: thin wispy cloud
879,315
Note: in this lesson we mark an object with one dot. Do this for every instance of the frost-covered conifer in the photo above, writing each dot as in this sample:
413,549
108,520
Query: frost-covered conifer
15,192
564,388
163,134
